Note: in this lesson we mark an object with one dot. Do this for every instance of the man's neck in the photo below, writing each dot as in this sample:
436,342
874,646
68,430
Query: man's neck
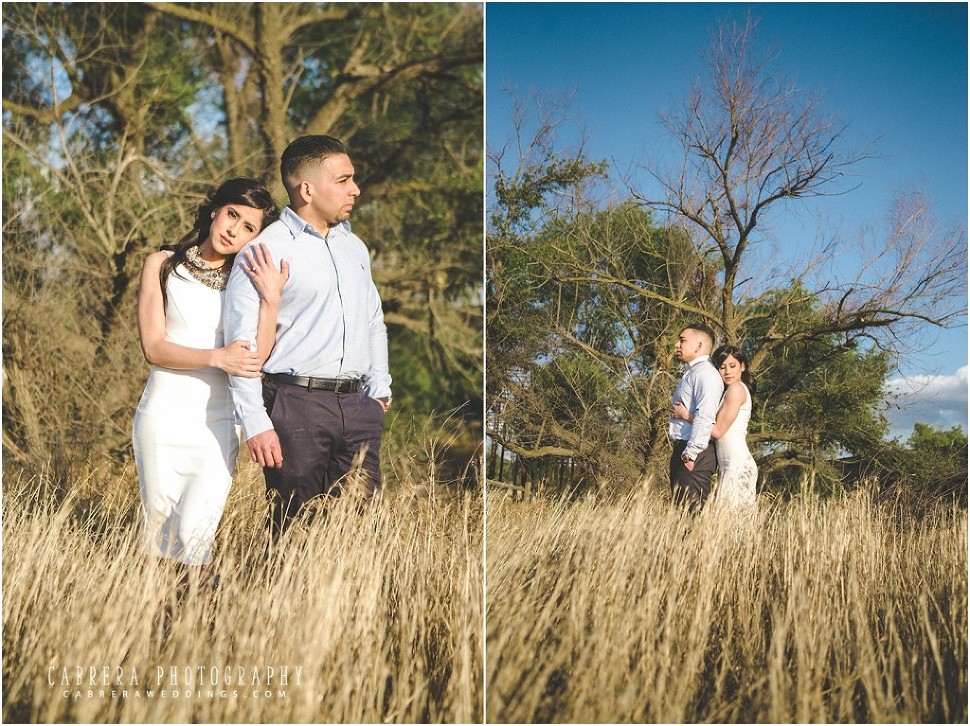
321,226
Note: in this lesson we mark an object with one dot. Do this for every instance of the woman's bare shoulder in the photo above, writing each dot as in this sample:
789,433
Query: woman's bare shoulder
155,259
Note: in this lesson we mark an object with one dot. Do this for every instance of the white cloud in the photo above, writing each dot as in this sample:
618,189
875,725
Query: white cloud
937,400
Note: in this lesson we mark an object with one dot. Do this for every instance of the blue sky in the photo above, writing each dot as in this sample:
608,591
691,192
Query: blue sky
896,72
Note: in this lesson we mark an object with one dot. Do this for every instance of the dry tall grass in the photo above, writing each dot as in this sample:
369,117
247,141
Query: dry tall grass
841,611
380,610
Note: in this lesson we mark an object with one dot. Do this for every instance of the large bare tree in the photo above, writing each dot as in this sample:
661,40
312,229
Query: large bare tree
752,144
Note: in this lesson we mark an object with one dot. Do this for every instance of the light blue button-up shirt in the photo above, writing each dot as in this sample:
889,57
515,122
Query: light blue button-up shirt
700,390
330,323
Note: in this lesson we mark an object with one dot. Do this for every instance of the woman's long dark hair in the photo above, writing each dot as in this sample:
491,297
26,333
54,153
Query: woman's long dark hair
720,355
243,191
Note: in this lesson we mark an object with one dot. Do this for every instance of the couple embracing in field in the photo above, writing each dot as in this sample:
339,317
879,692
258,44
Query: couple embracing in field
709,424
295,354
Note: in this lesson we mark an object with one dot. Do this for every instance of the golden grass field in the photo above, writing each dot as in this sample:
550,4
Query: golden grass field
381,610
598,611
811,611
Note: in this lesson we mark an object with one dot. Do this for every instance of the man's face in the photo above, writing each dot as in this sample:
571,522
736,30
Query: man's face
332,189
689,345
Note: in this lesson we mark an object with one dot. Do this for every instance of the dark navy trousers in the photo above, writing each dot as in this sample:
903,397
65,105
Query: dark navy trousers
690,489
321,433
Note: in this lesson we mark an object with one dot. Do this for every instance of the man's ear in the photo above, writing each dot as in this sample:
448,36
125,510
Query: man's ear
306,191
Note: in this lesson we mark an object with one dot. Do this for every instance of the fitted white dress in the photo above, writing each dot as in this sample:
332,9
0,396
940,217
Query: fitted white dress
737,477
185,436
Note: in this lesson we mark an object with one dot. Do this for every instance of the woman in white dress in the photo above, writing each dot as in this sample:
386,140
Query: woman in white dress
185,437
737,476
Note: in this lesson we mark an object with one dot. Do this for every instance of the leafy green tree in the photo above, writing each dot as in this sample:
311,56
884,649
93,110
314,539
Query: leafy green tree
933,463
816,396
582,315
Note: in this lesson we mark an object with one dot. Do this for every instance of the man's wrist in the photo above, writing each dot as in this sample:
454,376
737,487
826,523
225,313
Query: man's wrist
255,424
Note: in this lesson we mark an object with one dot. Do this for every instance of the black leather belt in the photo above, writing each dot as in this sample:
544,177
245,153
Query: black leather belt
336,385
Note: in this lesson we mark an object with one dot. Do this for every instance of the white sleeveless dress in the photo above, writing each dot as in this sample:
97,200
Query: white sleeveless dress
737,476
185,436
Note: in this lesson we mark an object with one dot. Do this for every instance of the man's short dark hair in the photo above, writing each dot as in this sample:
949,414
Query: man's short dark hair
703,328
305,150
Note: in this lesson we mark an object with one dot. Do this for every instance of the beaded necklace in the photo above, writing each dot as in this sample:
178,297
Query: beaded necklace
214,277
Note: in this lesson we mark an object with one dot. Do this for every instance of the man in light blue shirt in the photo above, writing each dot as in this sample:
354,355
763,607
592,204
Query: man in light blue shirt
694,459
325,385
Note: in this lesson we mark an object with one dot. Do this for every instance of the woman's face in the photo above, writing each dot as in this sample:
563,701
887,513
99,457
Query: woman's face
731,370
233,227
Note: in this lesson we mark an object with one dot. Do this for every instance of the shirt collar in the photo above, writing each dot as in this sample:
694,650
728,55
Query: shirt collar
297,225
698,359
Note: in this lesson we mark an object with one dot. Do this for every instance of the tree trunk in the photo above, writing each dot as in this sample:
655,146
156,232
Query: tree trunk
271,35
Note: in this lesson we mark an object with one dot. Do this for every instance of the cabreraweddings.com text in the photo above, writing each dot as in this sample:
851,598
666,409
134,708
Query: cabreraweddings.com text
202,681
